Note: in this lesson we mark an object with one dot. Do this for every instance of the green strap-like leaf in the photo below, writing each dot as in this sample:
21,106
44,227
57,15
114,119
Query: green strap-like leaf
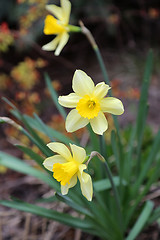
115,149
31,134
39,160
151,158
55,134
143,106
140,195
54,96
73,205
20,166
140,223
44,127
154,216
50,214
105,184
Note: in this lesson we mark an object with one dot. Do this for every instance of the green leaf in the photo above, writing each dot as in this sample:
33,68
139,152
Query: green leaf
37,125
149,161
94,139
144,93
104,219
155,216
103,146
128,160
115,149
39,160
22,167
73,205
140,223
143,106
32,135
47,200
138,196
50,214
55,134
39,141
54,96
105,184
44,127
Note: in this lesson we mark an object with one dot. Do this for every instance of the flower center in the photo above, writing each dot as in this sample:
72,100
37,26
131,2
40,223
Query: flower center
88,107
53,26
64,172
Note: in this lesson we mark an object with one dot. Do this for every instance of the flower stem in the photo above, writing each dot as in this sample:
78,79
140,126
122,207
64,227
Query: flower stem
96,50
103,146
115,192
73,28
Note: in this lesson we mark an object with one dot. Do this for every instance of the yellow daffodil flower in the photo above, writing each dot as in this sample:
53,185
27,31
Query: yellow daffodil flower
58,26
90,104
66,167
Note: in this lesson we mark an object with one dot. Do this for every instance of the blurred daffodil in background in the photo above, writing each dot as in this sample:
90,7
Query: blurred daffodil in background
66,167
58,26
90,104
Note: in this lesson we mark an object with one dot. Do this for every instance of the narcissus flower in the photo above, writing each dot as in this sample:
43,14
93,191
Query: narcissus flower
90,104
58,26
67,166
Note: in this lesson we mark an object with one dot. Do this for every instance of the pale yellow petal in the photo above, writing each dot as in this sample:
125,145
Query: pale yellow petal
74,121
61,149
56,11
63,40
50,161
69,101
64,189
81,168
99,124
73,181
86,185
82,84
51,46
112,105
100,90
66,9
79,153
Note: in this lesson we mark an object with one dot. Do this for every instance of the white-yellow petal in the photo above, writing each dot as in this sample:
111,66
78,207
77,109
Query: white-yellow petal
73,181
74,121
50,161
66,9
79,153
51,46
69,101
82,84
99,124
101,90
56,11
112,105
63,40
61,149
86,185
81,168
64,189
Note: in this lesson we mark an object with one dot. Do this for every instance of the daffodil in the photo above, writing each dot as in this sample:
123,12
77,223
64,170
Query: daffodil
67,166
90,104
58,26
